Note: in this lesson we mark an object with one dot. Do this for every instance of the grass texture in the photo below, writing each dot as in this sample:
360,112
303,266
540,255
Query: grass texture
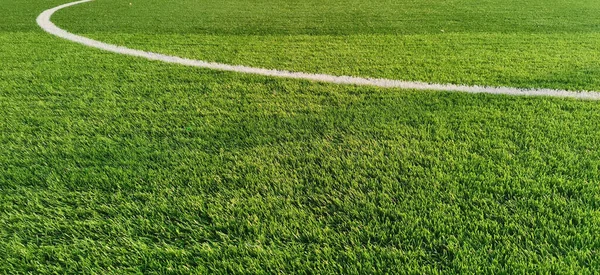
527,44
112,164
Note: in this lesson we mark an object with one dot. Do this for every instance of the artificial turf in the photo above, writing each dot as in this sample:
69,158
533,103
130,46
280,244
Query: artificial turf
528,44
112,164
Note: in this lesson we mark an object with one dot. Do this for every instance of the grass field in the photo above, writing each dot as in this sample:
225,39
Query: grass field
113,164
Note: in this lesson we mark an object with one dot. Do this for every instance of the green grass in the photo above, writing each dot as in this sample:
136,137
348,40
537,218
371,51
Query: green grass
113,164
333,17
529,44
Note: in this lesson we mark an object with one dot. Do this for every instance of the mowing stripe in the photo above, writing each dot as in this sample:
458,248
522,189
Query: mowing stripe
44,22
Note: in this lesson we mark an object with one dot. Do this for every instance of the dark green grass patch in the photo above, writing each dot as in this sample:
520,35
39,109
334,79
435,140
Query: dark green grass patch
112,164
333,17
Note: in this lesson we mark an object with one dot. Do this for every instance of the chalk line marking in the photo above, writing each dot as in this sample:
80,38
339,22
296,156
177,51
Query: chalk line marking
44,22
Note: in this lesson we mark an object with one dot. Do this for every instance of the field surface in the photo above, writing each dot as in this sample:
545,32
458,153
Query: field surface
113,164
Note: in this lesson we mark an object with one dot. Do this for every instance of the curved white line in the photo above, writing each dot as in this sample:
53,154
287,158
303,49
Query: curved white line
44,22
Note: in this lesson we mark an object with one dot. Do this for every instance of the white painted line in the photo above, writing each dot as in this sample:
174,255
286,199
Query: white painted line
44,22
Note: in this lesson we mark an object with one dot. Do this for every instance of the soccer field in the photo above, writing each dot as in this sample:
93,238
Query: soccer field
117,164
